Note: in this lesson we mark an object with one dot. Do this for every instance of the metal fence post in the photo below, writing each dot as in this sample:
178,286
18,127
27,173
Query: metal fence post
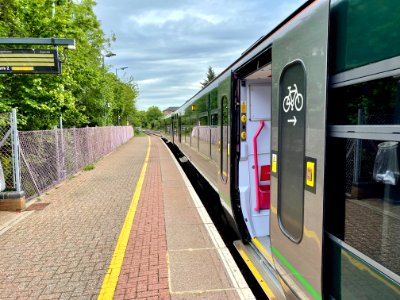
75,152
58,167
63,170
88,161
15,147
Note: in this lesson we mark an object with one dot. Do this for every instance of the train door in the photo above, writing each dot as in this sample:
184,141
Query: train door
299,88
173,129
224,95
180,129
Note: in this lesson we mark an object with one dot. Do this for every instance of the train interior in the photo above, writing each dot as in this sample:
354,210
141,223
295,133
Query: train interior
254,165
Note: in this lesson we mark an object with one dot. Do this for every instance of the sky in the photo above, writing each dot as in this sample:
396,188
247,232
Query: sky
168,45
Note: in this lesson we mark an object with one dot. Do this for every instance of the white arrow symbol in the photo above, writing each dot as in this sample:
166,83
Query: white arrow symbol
294,120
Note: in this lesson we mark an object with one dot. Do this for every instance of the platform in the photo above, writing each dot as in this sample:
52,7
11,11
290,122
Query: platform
132,228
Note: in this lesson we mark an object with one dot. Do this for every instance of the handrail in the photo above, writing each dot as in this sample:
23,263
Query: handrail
258,202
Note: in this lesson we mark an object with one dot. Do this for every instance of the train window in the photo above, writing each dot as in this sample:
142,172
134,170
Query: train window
194,136
204,134
371,25
362,196
214,99
214,119
203,120
214,134
292,118
224,146
372,200
375,102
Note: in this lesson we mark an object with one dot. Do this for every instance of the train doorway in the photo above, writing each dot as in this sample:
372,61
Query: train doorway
255,151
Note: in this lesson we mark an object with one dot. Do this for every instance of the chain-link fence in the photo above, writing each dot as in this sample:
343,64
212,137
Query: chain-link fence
50,156
359,161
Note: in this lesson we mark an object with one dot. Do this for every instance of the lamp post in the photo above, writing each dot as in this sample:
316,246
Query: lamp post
119,110
108,54
116,70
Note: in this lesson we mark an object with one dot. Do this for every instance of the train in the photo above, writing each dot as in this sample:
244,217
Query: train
300,138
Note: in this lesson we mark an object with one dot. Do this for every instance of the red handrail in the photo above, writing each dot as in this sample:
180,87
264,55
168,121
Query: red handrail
258,202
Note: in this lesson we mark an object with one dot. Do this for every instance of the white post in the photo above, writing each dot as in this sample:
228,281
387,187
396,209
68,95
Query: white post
15,145
63,170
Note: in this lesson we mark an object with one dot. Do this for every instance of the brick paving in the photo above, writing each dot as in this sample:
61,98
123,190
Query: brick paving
64,250
144,273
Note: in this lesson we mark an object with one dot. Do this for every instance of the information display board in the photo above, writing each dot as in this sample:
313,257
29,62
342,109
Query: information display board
29,61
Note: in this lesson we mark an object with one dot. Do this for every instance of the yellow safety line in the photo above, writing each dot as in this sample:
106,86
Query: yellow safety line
263,250
257,275
112,275
362,267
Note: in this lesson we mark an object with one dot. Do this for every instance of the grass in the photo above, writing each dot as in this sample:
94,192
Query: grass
88,167
139,134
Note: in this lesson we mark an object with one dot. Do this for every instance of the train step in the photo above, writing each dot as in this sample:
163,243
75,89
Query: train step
262,271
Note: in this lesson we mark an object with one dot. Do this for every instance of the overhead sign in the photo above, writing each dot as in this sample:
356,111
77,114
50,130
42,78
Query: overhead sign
29,61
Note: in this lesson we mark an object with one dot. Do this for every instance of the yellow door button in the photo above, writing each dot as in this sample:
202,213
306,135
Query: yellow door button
243,118
243,135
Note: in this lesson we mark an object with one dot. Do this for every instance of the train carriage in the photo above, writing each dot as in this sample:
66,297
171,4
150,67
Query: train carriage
300,138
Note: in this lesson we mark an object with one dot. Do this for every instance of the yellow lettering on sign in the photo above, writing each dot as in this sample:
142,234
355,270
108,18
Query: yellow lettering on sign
310,179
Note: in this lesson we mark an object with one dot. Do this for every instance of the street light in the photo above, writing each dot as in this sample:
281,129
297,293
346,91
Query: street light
116,75
108,54
116,70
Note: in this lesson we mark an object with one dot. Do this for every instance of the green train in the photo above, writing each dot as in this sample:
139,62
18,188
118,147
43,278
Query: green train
300,137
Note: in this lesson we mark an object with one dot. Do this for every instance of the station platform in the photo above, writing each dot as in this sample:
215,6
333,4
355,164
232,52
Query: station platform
131,228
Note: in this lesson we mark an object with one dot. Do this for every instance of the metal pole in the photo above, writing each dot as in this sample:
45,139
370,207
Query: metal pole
15,142
62,149
358,150
53,9
75,152
58,167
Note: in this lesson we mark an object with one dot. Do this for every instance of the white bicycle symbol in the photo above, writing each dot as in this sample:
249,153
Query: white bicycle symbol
293,100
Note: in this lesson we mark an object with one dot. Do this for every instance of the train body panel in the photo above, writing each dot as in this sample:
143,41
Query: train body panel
287,136
299,68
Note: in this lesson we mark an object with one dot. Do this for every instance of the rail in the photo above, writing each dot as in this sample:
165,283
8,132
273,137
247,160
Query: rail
262,191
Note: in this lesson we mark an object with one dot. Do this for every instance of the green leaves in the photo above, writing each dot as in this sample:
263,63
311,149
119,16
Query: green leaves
84,88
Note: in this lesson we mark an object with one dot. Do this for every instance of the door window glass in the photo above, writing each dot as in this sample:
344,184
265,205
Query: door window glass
292,103
224,146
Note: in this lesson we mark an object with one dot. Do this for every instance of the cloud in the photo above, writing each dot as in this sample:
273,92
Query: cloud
168,45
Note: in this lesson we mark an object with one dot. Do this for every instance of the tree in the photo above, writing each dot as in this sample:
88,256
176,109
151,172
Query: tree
153,115
84,88
210,77
139,119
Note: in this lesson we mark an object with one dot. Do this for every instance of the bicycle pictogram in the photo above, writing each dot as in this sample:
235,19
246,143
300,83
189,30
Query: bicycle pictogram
293,100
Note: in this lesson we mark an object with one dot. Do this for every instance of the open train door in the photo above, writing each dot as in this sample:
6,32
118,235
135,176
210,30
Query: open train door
299,89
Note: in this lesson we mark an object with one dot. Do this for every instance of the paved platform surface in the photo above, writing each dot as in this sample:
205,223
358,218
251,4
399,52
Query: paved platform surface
78,244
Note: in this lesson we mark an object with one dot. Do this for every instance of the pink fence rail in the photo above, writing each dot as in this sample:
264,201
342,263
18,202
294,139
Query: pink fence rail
50,156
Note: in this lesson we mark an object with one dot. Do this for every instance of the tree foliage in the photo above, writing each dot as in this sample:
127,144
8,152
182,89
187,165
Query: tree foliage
153,115
150,118
85,93
210,77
